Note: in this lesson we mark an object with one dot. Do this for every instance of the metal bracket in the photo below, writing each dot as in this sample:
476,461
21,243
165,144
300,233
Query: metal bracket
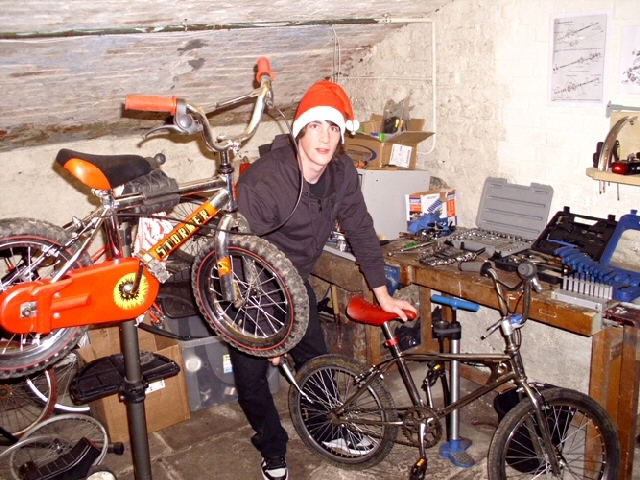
611,107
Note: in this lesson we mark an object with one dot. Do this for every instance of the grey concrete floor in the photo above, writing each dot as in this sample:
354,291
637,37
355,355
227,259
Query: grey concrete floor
214,444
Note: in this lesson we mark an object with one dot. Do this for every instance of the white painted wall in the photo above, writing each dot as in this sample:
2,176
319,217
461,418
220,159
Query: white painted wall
492,120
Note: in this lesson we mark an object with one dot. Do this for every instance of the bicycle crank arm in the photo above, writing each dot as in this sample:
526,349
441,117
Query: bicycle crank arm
88,295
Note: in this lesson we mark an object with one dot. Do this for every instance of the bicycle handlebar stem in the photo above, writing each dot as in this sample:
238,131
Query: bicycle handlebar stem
529,281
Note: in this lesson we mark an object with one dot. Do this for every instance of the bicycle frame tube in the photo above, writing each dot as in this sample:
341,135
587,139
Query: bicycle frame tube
186,229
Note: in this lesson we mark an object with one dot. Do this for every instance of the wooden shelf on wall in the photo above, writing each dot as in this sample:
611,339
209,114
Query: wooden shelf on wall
613,177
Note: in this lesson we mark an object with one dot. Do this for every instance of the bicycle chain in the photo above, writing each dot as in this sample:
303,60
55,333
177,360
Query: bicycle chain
410,427
412,419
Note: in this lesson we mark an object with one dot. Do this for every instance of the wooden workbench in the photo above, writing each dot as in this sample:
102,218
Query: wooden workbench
615,355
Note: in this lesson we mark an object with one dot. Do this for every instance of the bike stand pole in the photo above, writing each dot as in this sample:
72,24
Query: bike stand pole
133,388
133,394
455,448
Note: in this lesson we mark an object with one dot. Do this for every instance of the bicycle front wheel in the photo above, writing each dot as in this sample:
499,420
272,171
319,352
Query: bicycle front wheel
272,312
583,434
29,251
356,439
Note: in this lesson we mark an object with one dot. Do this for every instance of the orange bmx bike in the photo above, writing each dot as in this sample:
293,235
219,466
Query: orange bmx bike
56,281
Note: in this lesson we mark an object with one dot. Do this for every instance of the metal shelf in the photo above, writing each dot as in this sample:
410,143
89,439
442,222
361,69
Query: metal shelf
613,177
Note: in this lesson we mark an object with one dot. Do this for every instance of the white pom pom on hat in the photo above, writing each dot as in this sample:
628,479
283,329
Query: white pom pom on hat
325,100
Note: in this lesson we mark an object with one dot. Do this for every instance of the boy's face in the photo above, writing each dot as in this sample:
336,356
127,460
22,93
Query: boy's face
318,144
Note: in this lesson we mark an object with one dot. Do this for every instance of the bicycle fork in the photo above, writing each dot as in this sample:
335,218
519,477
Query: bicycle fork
547,448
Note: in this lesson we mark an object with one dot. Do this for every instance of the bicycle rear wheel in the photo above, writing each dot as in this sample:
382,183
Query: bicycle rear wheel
20,409
583,434
65,370
65,431
347,440
273,313
23,242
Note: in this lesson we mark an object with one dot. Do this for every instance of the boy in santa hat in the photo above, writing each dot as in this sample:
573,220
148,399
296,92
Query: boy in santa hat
267,196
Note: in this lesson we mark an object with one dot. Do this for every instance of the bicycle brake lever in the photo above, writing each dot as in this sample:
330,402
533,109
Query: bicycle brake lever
190,130
170,128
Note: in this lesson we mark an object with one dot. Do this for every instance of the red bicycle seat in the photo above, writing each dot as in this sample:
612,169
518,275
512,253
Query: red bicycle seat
361,311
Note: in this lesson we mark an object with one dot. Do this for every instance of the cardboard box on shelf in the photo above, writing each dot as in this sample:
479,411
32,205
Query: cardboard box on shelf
441,204
166,402
374,150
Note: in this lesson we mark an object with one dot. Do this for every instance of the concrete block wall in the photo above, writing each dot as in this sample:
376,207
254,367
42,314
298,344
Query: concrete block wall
492,120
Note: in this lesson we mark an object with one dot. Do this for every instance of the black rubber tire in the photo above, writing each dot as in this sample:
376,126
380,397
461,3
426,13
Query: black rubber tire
569,413
328,380
275,315
22,355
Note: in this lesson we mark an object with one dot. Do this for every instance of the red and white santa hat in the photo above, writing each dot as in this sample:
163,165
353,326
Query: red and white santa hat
325,100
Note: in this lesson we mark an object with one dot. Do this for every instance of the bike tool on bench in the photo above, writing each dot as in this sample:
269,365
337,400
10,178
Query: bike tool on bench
455,447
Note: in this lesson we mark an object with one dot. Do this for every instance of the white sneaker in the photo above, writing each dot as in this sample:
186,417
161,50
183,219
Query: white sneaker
274,468
362,447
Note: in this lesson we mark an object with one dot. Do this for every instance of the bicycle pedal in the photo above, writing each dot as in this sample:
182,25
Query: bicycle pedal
418,469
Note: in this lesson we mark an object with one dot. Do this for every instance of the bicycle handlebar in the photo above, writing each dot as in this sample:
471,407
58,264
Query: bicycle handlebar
189,119
527,271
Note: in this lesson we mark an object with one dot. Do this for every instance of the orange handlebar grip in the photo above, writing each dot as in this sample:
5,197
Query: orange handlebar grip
264,68
151,103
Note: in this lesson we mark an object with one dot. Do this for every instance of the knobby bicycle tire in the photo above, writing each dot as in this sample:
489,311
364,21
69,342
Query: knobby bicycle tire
583,434
274,313
327,381
21,240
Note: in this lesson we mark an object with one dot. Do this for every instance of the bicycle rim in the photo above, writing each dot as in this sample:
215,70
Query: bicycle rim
326,382
46,451
22,243
271,296
68,429
65,370
583,435
20,409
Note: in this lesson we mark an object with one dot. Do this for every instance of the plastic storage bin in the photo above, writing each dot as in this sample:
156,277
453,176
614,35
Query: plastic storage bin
208,369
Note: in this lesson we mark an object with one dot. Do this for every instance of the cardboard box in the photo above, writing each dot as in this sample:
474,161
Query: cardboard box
374,150
166,402
440,204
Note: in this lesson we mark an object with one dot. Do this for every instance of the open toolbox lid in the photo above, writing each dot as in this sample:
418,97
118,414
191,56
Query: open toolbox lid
514,209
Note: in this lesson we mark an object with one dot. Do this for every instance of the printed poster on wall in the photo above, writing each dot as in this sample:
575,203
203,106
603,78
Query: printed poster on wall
630,60
579,45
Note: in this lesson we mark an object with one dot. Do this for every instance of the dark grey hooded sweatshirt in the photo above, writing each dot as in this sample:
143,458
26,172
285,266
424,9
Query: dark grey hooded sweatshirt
267,193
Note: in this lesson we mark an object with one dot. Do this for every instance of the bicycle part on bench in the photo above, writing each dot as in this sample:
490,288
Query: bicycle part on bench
447,255
550,268
585,293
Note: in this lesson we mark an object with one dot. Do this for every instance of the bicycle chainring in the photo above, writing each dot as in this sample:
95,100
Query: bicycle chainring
411,420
